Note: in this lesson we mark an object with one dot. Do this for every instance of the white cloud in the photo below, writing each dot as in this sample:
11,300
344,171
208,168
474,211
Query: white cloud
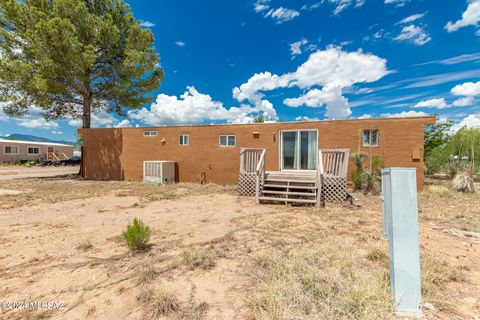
438,103
398,3
101,118
260,6
405,114
305,118
468,89
470,121
414,34
331,69
56,132
282,14
411,18
125,123
147,24
180,44
471,17
37,123
195,107
296,47
462,102
365,116
341,5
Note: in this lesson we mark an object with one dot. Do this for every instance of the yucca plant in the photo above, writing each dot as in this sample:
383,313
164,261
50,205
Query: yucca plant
358,159
137,234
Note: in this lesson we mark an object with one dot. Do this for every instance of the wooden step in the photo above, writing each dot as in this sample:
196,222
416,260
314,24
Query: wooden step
289,180
288,200
308,194
284,186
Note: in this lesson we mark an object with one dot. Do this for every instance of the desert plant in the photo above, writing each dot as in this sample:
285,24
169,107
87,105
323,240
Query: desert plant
358,180
137,234
198,258
372,183
147,274
85,245
376,164
358,159
463,182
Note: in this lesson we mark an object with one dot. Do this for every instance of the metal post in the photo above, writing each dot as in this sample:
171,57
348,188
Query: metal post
400,219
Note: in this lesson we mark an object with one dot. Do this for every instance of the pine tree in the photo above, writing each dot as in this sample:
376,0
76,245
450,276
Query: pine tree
72,57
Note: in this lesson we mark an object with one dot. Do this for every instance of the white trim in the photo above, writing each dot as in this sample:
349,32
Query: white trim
181,136
33,153
227,145
11,146
281,149
7,141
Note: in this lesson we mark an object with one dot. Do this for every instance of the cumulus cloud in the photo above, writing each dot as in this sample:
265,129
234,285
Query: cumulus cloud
37,123
438,103
325,74
468,89
470,121
413,34
180,44
306,118
296,47
462,102
102,118
471,17
411,18
405,114
195,107
365,116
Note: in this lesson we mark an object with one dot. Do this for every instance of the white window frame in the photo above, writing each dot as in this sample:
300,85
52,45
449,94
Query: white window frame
369,144
227,136
281,149
29,153
150,133
181,140
5,150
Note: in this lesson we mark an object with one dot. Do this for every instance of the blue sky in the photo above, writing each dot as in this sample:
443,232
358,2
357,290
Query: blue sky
226,61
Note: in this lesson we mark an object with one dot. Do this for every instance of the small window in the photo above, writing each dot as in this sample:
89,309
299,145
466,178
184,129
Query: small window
11,150
227,141
183,140
370,138
149,133
33,150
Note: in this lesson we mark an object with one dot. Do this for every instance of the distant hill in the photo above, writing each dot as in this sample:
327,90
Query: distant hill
26,137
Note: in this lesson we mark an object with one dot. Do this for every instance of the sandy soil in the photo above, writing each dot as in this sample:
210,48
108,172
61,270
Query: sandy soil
19,172
43,256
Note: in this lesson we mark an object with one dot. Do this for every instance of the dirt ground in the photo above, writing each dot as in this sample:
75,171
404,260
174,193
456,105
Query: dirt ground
60,241
19,172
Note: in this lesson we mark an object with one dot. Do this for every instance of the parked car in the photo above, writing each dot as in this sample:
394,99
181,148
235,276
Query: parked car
73,161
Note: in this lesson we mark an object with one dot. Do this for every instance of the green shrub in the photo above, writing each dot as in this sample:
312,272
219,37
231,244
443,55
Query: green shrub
137,235
358,159
358,180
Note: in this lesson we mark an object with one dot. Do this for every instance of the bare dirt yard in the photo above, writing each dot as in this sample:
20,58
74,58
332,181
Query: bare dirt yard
216,255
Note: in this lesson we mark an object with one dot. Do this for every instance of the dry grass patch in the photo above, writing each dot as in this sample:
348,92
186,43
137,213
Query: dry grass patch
86,245
147,274
200,258
158,303
322,280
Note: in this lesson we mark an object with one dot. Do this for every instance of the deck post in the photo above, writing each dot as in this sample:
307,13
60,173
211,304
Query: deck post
257,189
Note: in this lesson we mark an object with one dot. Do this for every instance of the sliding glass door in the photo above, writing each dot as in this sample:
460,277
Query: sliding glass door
299,150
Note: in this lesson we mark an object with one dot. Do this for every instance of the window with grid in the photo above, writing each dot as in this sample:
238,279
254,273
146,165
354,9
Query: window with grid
33,150
150,133
10,150
370,138
227,141
183,140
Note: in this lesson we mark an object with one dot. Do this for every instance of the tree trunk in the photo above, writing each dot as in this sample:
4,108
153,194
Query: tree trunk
86,122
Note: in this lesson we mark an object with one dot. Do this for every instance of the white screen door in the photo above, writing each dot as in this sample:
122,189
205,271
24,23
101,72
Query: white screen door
299,150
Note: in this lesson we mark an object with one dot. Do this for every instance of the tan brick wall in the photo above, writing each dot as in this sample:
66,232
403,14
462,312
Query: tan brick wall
119,153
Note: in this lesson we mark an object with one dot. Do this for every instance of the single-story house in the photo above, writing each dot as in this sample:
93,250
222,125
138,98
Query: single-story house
15,150
212,152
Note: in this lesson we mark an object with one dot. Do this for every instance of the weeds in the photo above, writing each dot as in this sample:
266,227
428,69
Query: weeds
86,245
158,303
200,258
147,274
137,235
